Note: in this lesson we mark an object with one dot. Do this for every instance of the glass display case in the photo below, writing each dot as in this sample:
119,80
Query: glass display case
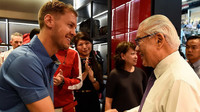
21,26
9,26
93,18
3,31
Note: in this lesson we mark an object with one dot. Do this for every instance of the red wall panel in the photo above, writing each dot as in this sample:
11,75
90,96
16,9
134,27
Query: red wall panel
134,15
145,9
126,16
120,20
116,3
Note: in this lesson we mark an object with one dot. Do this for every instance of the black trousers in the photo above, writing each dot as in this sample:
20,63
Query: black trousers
87,102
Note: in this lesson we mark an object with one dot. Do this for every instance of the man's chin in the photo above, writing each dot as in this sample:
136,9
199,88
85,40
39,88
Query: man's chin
145,64
64,48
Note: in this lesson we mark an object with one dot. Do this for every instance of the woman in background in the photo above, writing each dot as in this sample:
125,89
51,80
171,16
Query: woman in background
88,95
126,83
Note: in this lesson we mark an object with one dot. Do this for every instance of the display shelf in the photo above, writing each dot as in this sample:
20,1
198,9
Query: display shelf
100,39
92,16
3,44
3,25
78,4
21,27
9,26
84,13
99,8
3,48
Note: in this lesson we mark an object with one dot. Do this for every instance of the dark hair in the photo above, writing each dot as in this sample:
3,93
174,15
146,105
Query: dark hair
193,37
122,47
81,36
55,7
85,36
33,32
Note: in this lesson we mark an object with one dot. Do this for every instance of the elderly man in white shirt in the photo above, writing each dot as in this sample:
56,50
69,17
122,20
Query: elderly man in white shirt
16,41
177,87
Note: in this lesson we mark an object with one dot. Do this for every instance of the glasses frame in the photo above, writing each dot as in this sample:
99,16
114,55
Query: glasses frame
137,40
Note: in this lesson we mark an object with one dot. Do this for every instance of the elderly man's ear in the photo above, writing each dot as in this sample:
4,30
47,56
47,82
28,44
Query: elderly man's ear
160,38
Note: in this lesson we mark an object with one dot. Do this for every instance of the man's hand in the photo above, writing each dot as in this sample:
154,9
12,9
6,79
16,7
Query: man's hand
58,79
89,70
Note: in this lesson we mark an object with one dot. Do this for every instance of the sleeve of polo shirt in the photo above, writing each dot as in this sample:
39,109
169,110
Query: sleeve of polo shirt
78,71
73,80
25,75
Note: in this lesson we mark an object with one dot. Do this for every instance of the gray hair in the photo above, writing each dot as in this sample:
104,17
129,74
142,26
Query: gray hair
161,24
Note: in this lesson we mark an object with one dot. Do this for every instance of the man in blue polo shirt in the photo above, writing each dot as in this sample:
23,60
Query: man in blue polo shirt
26,77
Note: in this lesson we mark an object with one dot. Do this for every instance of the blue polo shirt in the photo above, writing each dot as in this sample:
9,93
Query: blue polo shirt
26,76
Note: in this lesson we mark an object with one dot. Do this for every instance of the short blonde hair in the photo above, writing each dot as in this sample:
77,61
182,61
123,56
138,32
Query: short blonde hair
161,24
16,34
55,7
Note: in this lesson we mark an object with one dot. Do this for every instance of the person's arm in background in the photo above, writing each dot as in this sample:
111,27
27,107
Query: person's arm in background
86,72
77,69
111,86
43,105
92,79
96,75
108,104
71,81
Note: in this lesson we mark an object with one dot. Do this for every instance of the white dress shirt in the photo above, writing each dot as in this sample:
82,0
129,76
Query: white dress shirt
176,89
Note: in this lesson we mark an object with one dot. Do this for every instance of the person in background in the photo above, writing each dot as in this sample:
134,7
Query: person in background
26,77
33,32
28,36
126,83
71,68
193,53
88,96
198,25
181,53
175,85
16,41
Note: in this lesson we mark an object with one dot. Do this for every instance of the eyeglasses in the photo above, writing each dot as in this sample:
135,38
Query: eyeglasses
137,40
